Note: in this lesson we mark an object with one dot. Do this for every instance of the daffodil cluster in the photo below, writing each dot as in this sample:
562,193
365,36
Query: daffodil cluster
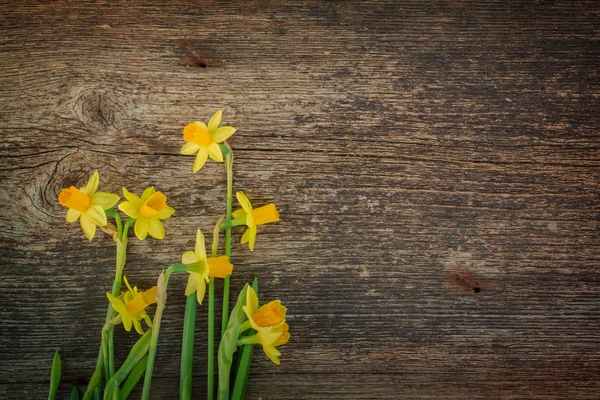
247,325
91,207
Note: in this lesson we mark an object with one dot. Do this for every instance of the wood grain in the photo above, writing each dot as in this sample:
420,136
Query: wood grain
400,140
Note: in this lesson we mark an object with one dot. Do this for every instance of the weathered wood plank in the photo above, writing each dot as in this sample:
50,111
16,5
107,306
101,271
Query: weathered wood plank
400,140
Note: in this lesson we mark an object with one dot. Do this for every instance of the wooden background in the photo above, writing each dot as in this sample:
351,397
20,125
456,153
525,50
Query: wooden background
400,140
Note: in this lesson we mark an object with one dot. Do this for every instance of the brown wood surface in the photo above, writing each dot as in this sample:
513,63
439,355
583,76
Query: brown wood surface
400,140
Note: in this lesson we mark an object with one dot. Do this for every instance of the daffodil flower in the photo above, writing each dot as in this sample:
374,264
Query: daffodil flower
218,267
131,306
148,211
253,217
269,322
205,140
87,205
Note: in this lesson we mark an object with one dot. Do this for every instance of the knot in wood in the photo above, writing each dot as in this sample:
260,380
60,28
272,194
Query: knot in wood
97,110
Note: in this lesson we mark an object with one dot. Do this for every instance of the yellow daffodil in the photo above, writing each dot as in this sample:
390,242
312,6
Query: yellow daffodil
205,140
269,322
87,205
253,217
148,211
131,306
218,267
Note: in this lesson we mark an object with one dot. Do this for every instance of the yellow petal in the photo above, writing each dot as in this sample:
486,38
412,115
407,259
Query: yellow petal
127,284
72,215
245,237
132,198
149,295
117,304
96,215
285,335
91,185
105,200
141,301
223,133
265,214
189,257
219,267
130,209
252,236
238,214
199,248
244,202
147,193
138,326
201,125
89,228
272,353
251,302
214,151
249,237
189,148
156,228
215,121
126,318
201,290
192,283
201,158
165,213
268,338
141,228
259,328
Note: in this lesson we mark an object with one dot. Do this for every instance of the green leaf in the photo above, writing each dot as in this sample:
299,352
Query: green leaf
138,351
134,377
55,376
228,344
74,393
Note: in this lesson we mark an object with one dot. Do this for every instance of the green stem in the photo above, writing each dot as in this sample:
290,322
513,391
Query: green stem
120,265
161,300
211,319
116,288
243,369
107,347
228,344
187,346
234,222
115,215
229,168
211,340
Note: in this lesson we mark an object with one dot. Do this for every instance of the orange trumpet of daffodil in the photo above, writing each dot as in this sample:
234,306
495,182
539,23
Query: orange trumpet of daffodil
253,217
148,212
87,205
218,267
131,306
205,140
269,322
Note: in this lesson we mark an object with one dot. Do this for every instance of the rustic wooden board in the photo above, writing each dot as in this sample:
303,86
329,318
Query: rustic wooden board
401,140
